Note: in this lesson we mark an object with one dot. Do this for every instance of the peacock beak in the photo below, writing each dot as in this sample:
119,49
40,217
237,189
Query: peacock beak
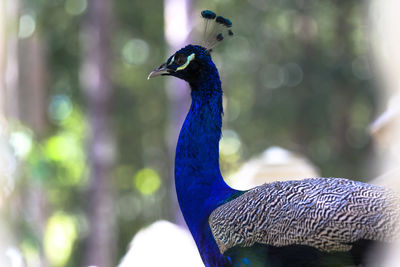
159,71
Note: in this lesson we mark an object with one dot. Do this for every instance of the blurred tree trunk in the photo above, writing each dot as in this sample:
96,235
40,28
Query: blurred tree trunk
11,71
5,153
32,99
96,80
22,98
344,46
32,85
177,28
3,45
308,50
4,170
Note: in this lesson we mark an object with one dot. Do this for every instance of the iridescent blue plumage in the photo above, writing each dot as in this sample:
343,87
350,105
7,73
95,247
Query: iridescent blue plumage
208,14
313,222
199,184
224,21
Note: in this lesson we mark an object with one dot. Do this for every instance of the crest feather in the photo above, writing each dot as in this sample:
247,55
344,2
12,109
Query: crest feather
214,29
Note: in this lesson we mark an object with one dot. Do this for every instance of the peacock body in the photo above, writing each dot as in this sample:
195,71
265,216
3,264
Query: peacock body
313,222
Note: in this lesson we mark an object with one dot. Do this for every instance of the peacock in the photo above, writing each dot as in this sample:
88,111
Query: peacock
311,222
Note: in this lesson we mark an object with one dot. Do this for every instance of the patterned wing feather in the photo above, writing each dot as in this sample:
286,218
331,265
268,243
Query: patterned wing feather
326,213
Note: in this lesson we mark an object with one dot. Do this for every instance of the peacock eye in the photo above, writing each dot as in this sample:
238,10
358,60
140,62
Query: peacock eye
180,59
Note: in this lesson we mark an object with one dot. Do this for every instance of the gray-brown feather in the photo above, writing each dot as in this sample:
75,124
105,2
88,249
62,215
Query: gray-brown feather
326,213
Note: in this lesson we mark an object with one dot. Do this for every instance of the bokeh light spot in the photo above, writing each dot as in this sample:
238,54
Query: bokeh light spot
272,76
75,7
67,151
59,237
305,27
135,51
147,181
63,147
60,107
21,142
293,74
15,256
27,26
129,207
230,145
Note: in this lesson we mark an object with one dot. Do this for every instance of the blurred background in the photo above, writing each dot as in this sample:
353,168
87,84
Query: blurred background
87,142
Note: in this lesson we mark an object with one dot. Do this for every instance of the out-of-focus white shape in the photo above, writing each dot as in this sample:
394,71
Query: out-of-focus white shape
21,142
384,127
385,22
392,257
176,22
8,166
162,244
384,27
385,39
27,26
274,164
389,179
385,132
15,256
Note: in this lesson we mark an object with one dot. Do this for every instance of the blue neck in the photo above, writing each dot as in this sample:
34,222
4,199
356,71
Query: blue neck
199,183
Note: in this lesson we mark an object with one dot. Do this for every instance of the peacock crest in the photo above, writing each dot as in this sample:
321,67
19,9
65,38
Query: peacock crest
215,29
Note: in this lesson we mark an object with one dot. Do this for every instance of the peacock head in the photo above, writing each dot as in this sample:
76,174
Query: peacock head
186,64
192,62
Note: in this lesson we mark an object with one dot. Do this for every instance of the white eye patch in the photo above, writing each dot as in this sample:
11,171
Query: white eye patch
172,60
189,58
